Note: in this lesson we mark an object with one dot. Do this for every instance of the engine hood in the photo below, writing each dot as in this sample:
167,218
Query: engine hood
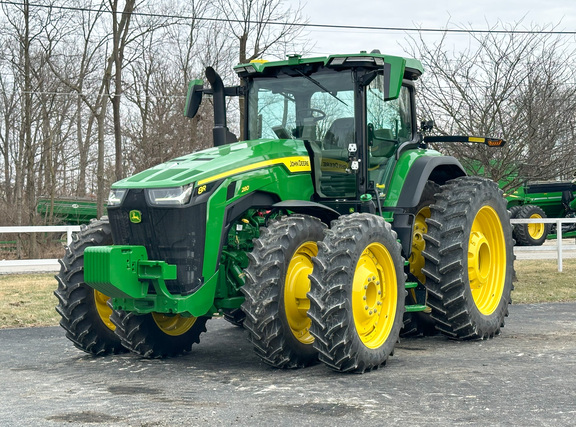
216,163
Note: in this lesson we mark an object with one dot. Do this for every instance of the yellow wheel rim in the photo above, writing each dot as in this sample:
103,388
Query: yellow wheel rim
374,295
173,325
103,309
418,244
296,286
487,260
536,231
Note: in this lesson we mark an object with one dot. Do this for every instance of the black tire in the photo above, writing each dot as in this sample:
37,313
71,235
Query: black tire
357,293
235,316
469,259
420,323
156,335
514,212
530,234
276,283
85,313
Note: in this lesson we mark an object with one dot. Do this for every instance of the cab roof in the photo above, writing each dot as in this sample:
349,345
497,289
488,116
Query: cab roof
408,68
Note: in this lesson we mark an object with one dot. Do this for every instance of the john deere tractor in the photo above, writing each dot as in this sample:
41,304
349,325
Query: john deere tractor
324,232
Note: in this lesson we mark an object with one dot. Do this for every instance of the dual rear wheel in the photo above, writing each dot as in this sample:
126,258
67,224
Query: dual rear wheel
355,283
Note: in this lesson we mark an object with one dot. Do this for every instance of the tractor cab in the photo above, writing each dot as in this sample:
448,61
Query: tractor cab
351,113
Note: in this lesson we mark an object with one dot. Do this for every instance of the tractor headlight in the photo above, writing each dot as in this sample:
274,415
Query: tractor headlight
173,196
116,196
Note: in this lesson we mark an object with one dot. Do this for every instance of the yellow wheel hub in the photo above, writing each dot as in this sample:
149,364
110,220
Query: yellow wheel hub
487,260
103,309
419,244
173,325
374,295
536,231
296,286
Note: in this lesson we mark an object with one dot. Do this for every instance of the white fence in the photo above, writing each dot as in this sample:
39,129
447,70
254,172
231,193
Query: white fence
560,247
69,229
19,263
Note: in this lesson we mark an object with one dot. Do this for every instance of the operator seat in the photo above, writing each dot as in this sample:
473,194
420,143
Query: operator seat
333,179
340,133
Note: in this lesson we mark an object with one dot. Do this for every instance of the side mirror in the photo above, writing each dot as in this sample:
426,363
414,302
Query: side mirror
426,125
193,98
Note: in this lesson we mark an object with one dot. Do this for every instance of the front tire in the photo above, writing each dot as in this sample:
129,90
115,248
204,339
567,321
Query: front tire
157,335
357,293
469,259
276,305
85,311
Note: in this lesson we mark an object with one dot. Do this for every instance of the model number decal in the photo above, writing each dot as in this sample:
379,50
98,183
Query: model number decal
201,189
245,189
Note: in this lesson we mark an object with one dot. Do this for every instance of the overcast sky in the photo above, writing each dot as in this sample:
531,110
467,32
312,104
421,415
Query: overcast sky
560,14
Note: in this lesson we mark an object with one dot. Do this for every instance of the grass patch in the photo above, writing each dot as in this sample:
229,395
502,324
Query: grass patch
539,281
28,299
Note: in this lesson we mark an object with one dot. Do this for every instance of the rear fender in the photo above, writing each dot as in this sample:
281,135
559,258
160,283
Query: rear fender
422,169
406,190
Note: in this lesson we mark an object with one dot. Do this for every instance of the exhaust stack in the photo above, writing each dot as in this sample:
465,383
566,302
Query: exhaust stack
220,132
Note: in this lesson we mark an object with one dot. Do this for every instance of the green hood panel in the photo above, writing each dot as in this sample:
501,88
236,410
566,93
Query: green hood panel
220,162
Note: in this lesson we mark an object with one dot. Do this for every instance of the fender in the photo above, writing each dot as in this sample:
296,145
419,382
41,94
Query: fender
424,168
438,169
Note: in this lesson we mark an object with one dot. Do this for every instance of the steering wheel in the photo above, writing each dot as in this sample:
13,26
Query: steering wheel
321,115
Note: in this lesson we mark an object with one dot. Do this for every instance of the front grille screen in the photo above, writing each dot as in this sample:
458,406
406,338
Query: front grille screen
173,235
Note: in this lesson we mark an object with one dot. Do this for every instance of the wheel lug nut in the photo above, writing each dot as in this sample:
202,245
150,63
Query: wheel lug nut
364,297
366,308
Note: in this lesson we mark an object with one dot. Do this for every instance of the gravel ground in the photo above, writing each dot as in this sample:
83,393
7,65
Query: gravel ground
526,376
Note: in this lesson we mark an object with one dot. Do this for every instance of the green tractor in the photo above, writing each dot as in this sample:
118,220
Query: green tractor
542,200
325,232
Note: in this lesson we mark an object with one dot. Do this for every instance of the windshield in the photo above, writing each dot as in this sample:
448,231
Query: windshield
299,106
319,108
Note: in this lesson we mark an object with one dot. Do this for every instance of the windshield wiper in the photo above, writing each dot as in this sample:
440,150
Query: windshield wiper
317,83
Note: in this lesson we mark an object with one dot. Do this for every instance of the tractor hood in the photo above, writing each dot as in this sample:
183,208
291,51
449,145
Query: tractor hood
217,163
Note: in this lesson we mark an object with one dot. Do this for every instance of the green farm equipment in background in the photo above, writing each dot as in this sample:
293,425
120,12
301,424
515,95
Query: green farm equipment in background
327,230
67,210
542,200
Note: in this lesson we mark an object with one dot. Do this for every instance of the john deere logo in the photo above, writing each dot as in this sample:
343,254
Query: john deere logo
135,217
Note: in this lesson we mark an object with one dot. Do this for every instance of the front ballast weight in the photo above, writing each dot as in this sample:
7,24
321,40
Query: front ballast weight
125,274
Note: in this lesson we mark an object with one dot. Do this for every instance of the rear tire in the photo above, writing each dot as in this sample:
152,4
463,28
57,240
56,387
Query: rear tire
85,312
357,293
530,234
469,259
277,282
420,323
157,335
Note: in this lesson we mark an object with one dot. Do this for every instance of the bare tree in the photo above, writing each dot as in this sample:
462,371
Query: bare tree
262,27
120,31
517,86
